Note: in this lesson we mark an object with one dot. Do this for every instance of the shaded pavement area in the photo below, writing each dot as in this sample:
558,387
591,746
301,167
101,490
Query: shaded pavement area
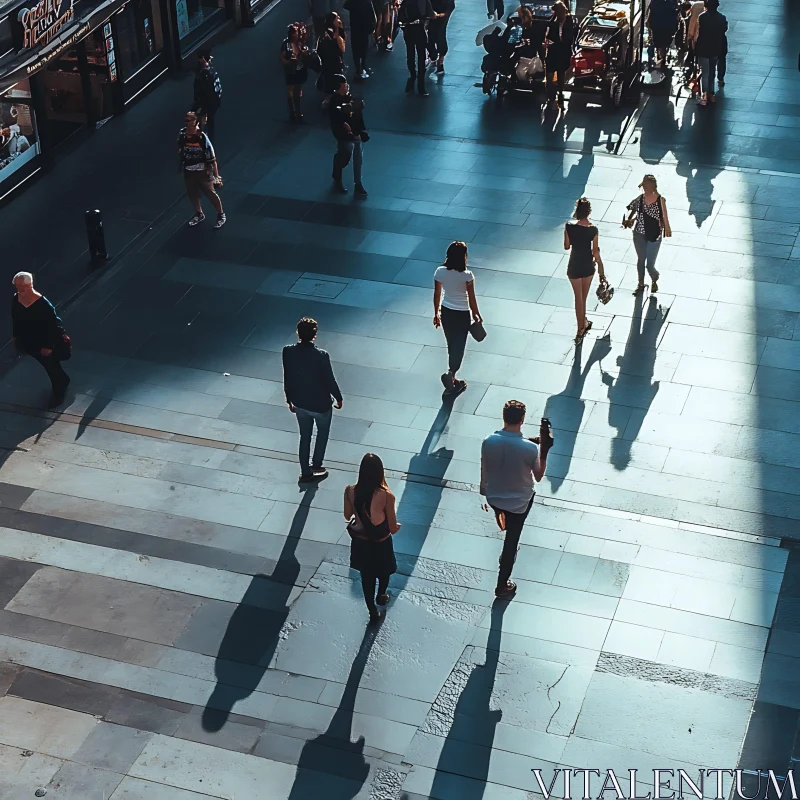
178,619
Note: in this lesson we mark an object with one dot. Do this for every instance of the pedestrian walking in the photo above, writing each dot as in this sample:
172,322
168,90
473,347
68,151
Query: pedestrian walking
559,38
363,22
330,48
207,92
455,309
650,223
39,332
200,170
581,239
386,12
510,464
437,32
295,71
663,20
369,508
310,389
710,46
414,16
347,125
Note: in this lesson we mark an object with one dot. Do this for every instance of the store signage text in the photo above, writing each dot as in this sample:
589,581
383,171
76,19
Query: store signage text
68,42
44,20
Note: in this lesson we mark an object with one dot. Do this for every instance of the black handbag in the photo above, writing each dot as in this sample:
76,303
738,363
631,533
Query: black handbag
313,61
477,331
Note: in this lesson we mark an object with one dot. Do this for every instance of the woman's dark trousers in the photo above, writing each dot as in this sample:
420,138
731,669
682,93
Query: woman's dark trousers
456,329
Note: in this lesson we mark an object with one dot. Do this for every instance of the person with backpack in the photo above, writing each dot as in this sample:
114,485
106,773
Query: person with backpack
663,21
200,171
711,49
207,91
650,224
414,16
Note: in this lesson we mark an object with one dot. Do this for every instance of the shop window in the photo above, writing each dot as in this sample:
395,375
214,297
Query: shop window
192,16
138,35
19,142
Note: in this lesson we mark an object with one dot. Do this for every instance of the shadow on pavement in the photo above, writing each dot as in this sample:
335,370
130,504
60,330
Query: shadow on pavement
420,501
474,723
572,394
637,365
253,632
333,752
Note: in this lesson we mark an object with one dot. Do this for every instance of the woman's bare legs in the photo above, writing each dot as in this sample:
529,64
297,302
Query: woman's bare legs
580,288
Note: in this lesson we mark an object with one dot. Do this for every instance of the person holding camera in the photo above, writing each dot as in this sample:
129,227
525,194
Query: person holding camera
650,224
510,464
293,53
347,126
200,171
330,48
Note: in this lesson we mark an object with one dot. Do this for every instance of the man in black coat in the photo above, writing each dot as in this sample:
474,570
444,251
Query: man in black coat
414,16
207,92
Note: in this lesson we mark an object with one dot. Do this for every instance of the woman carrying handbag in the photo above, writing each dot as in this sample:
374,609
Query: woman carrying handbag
650,224
457,312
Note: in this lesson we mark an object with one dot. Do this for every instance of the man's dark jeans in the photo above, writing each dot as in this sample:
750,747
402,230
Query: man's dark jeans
306,420
514,524
416,40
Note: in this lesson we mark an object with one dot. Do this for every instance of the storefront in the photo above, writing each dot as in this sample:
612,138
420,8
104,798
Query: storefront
67,66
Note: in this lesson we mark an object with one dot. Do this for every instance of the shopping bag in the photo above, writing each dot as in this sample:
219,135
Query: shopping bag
523,69
487,29
536,67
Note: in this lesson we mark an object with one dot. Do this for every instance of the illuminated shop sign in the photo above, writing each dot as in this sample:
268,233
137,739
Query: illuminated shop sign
42,22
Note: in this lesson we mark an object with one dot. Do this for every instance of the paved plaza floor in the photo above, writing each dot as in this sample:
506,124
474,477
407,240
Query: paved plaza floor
178,620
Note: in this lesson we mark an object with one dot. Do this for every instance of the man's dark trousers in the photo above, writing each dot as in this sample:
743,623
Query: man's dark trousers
416,44
305,421
514,524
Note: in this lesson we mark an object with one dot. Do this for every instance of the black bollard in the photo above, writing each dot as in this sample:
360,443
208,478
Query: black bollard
96,236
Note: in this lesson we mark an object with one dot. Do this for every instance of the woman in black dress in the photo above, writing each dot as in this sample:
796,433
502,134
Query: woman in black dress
362,25
39,333
581,239
293,50
559,39
370,512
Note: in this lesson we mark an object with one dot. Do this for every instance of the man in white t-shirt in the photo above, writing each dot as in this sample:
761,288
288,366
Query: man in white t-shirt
455,309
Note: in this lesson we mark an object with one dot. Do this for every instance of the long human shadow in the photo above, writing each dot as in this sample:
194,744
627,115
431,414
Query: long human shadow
565,409
334,752
253,631
420,501
629,394
474,722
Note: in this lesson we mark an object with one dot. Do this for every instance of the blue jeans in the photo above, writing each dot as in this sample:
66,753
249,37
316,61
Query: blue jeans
305,421
646,254
708,72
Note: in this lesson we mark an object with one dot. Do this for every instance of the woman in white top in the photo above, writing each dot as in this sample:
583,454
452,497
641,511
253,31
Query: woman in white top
456,311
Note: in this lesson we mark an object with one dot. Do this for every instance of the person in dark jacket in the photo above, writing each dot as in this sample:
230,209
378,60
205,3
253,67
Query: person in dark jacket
294,50
362,25
559,39
347,125
711,43
414,17
437,32
207,92
309,385
663,20
39,333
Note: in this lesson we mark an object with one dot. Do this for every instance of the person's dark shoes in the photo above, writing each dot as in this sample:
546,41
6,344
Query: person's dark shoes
459,386
221,220
721,83
360,190
410,84
382,599
307,477
196,219
448,382
319,473
440,69
509,590
376,615
339,186
423,93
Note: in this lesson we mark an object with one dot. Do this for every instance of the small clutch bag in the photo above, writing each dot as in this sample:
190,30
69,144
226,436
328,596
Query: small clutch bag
478,331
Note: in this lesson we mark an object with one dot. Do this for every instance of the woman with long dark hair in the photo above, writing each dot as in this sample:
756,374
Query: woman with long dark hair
581,239
456,311
559,39
371,522
293,51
